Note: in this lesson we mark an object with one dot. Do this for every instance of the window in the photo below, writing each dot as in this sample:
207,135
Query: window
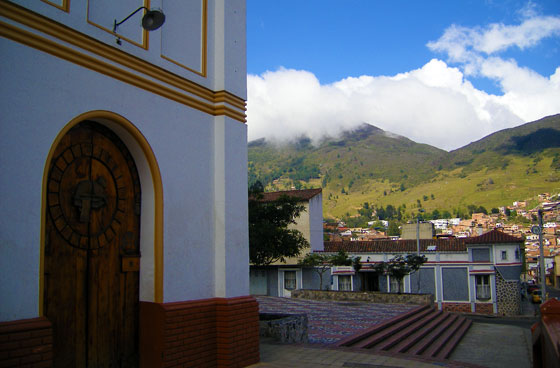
504,255
290,280
480,254
395,285
517,254
483,287
455,283
345,282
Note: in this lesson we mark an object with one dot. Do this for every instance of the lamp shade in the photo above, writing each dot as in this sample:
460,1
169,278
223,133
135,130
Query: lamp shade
153,19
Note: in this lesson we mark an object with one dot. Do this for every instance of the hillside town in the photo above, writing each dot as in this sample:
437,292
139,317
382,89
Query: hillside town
476,225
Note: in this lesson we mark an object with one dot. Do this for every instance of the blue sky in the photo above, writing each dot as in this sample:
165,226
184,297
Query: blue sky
439,72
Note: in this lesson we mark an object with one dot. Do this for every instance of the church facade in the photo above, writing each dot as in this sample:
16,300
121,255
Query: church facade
124,178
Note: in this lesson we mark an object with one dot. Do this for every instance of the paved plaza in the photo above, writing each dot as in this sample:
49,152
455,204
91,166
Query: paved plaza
331,321
486,344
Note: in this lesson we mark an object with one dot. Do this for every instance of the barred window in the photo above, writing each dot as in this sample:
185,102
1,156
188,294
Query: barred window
345,282
483,287
290,280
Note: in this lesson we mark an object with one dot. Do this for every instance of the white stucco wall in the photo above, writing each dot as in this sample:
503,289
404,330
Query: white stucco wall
225,34
202,160
316,222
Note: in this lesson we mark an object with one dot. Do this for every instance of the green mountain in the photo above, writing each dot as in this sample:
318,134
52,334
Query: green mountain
380,168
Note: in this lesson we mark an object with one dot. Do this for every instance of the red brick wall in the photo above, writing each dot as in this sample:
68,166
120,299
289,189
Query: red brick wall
26,343
214,332
237,323
456,307
484,308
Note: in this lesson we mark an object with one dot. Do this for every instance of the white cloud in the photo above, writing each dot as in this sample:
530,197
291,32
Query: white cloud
463,44
435,104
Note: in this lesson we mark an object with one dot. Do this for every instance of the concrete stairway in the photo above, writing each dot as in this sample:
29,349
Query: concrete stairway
424,331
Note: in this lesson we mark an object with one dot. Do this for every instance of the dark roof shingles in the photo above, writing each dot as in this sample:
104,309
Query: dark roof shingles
303,194
493,237
392,246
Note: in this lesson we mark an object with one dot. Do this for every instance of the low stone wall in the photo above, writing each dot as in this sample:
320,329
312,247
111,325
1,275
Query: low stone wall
291,328
365,296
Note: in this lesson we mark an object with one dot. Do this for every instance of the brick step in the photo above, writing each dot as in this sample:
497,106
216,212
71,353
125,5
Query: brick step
374,339
351,340
432,336
444,339
420,334
455,339
388,344
424,331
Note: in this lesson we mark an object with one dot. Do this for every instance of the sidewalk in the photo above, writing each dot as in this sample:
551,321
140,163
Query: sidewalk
275,355
489,343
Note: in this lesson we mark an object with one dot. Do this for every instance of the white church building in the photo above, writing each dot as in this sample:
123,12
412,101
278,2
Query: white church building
123,156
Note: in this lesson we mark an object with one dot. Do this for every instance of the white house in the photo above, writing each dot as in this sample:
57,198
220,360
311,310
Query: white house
280,278
124,178
478,274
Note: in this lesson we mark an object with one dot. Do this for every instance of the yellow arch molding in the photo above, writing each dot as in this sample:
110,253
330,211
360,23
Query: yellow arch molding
158,196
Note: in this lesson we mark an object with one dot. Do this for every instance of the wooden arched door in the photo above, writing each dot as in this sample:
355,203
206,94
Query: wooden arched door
92,250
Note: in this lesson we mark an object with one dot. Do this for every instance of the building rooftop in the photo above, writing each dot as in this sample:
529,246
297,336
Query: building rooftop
493,237
303,194
391,246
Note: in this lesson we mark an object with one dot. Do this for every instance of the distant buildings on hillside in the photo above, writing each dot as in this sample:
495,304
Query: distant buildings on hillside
478,224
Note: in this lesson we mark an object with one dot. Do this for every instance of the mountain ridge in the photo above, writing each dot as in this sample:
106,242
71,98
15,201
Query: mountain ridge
368,164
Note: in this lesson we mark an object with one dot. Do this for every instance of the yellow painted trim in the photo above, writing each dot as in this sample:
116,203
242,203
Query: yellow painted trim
145,35
226,97
27,38
204,43
158,197
65,5
216,101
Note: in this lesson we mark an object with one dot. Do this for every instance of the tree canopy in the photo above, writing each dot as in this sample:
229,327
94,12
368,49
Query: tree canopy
270,239
399,266
321,263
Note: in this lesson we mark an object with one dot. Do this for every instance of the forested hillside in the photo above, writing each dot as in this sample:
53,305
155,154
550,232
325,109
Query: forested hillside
369,165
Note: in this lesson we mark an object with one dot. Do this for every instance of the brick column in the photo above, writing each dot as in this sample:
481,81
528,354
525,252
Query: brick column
217,332
237,322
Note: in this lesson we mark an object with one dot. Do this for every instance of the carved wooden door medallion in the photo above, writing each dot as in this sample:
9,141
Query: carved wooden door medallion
92,250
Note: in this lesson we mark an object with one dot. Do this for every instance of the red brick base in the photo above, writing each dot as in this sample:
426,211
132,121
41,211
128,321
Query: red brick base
216,332
26,343
484,308
456,307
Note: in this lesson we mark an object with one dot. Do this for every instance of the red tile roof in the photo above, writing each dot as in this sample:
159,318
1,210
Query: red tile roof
303,194
392,246
492,237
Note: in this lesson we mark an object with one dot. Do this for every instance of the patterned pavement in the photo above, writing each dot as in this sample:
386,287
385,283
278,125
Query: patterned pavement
330,321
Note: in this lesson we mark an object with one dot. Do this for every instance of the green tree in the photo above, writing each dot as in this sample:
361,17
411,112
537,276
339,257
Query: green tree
320,264
399,266
393,229
435,215
270,240
341,259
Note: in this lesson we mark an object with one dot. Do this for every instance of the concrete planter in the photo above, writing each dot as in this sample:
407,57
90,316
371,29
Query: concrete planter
287,328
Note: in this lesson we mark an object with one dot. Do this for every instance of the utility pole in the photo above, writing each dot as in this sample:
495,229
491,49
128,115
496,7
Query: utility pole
418,245
541,258
418,231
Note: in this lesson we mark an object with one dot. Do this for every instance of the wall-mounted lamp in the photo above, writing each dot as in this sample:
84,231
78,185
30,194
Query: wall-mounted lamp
152,20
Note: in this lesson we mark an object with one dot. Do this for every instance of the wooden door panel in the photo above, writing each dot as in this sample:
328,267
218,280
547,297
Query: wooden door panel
93,221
